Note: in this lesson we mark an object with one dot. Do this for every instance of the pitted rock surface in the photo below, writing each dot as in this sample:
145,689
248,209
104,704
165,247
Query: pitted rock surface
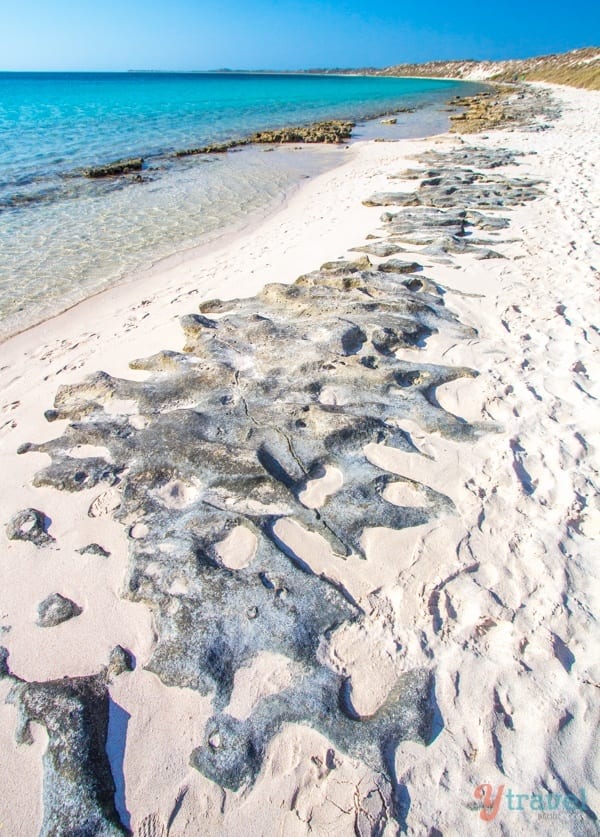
267,394
29,525
78,787
56,609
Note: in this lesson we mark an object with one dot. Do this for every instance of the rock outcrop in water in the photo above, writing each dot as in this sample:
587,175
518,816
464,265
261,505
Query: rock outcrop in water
332,131
116,168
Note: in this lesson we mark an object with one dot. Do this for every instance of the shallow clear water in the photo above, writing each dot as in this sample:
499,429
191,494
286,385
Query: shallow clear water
63,236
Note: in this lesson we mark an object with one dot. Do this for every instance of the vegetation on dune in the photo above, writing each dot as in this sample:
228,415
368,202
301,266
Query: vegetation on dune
578,68
584,74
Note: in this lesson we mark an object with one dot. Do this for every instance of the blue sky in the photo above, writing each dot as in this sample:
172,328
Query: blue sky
284,34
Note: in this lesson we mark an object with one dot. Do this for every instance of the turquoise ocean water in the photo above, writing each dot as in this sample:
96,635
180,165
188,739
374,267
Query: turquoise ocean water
64,237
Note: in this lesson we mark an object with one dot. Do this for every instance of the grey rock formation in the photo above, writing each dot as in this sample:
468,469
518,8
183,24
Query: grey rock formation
94,549
473,156
56,609
233,750
449,188
120,661
444,211
266,394
399,266
382,249
29,525
115,168
264,397
79,789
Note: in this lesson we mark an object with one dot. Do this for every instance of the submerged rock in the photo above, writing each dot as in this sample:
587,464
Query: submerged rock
29,525
116,168
213,148
56,609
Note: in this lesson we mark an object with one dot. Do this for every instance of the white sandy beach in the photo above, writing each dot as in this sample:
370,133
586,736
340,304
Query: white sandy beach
499,600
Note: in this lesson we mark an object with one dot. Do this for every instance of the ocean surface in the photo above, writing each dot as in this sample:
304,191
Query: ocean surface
64,237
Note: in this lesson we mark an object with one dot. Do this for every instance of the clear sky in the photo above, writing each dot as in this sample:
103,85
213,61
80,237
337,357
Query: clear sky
283,34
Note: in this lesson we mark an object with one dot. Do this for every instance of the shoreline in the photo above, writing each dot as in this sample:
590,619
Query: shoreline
193,258
475,596
224,237
232,228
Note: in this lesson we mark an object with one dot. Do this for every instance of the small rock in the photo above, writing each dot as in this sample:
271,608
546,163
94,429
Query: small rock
391,121
29,525
94,549
215,741
120,660
344,266
56,609
392,199
398,266
381,249
4,669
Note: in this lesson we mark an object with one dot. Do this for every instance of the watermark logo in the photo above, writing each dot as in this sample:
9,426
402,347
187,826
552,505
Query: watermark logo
490,801
493,798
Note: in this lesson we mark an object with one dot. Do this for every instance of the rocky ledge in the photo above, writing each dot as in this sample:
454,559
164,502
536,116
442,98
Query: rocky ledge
332,131
116,168
223,438
505,106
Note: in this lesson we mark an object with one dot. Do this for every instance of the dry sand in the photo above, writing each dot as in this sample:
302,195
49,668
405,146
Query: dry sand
500,599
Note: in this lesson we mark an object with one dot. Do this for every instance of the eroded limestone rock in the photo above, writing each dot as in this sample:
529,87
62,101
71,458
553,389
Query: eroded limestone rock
266,395
115,168
56,609
29,525
450,187
78,784
94,549
227,434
